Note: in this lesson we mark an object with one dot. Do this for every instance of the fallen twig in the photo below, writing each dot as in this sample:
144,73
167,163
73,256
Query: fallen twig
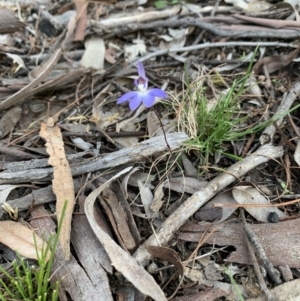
221,30
250,234
268,133
141,150
198,199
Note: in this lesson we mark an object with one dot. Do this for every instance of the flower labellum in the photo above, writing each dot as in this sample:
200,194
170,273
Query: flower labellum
143,95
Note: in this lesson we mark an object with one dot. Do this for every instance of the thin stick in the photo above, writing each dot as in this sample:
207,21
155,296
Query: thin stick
219,205
257,271
260,252
162,127
198,199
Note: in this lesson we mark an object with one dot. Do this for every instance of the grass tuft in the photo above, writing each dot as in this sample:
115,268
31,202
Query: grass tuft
213,125
28,283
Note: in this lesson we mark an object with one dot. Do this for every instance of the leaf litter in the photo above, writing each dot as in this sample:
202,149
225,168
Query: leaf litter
178,204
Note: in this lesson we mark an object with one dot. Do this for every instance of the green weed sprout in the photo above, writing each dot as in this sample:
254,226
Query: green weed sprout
27,283
213,127
161,4
235,287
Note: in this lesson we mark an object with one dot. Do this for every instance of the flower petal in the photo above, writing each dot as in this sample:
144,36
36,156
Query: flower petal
127,96
158,93
135,102
148,99
142,81
141,70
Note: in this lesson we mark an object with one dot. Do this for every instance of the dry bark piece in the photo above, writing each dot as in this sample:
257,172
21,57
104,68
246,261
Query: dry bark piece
81,20
278,240
141,150
37,163
60,82
222,29
185,184
37,197
9,23
63,186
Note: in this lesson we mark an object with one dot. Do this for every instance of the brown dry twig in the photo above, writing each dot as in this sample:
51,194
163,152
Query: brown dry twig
198,199
259,251
262,283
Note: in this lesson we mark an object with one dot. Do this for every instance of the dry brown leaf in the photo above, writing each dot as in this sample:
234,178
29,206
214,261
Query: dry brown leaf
81,20
118,219
147,199
189,168
120,259
157,200
274,62
168,255
209,213
9,120
20,239
63,186
251,195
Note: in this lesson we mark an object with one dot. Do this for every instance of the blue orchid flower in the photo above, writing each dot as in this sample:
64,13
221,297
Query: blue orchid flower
143,95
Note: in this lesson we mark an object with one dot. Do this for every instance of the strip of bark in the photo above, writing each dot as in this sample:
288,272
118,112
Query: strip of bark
130,154
9,23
